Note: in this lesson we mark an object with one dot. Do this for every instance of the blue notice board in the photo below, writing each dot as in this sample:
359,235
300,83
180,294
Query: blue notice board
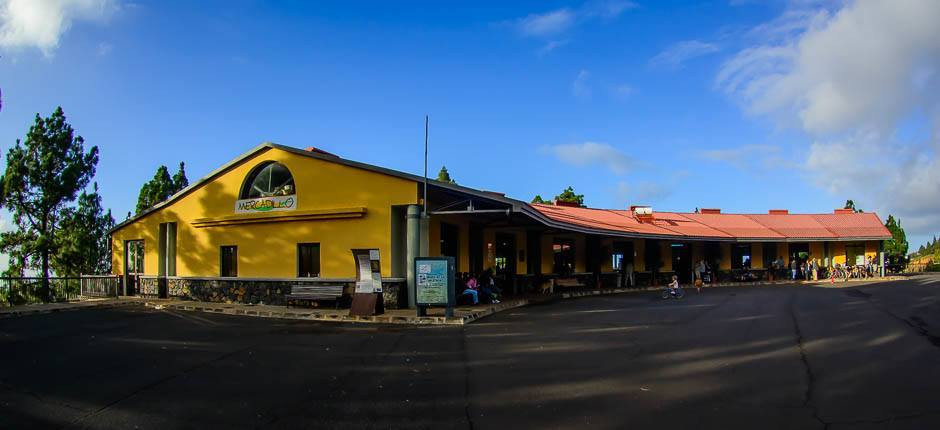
434,281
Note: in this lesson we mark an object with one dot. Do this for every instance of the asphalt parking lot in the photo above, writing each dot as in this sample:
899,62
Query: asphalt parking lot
782,357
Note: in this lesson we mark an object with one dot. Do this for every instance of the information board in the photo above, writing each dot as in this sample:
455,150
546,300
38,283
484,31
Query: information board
367,299
434,281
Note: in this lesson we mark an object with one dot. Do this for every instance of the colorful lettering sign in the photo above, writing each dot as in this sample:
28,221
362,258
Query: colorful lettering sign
266,204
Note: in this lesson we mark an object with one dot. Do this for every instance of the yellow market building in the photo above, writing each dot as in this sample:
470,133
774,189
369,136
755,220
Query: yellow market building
279,216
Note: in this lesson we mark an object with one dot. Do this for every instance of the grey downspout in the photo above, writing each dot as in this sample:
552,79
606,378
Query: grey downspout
412,249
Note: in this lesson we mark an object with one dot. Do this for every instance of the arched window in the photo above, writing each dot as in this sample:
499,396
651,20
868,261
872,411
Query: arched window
267,180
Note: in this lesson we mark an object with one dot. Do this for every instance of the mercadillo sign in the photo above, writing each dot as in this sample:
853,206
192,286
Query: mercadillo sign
266,204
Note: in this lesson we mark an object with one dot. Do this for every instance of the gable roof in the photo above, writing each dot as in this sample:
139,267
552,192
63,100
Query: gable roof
613,222
719,226
516,205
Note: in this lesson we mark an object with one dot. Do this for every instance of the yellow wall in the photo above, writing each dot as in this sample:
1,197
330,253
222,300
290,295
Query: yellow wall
434,238
725,256
665,255
838,252
757,255
698,252
783,250
548,256
270,249
871,250
817,250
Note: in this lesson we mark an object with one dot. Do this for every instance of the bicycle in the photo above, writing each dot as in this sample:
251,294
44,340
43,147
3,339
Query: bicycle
668,293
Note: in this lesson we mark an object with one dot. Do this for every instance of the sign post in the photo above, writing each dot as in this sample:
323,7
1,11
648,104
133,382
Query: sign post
367,299
434,284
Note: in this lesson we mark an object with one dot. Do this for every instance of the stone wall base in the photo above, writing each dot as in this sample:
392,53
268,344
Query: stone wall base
268,292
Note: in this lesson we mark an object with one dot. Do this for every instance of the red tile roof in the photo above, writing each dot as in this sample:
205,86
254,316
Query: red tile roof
832,226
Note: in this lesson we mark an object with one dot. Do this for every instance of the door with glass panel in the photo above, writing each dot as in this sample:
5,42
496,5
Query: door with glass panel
133,266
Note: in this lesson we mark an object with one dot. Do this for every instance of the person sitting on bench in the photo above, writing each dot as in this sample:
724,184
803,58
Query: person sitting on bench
488,287
473,291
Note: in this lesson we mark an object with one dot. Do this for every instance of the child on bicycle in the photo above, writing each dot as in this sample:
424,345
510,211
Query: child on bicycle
674,285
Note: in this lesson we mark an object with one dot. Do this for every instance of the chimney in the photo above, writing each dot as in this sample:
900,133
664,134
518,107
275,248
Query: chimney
779,212
566,204
713,211
316,150
843,211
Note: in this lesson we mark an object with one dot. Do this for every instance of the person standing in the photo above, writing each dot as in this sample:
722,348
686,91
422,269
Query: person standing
794,267
700,275
628,274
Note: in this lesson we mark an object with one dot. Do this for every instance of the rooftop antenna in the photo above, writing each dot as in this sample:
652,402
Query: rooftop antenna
426,120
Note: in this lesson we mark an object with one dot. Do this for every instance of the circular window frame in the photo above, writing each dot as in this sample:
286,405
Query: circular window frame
249,181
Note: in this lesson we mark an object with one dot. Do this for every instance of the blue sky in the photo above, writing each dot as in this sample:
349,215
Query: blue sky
740,105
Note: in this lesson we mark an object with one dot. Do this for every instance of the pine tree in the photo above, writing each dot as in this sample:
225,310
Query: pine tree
42,176
161,187
569,196
179,179
538,199
896,247
444,176
850,204
84,244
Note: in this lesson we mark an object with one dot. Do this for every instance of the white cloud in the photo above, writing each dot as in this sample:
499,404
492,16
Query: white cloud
592,154
560,20
754,156
678,53
551,46
843,69
854,78
580,86
606,9
643,192
623,90
104,48
546,24
41,23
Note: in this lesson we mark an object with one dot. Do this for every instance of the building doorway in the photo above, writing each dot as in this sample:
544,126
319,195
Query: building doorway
799,252
622,256
505,254
133,265
450,243
682,261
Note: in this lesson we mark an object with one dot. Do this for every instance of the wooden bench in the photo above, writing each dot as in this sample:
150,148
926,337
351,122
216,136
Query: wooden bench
548,287
315,292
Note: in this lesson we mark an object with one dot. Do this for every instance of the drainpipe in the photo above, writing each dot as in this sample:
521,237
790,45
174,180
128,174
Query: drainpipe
412,249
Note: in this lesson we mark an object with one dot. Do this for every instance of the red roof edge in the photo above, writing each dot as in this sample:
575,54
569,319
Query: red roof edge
843,211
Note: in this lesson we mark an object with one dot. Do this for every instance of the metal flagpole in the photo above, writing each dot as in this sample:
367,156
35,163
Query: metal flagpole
426,119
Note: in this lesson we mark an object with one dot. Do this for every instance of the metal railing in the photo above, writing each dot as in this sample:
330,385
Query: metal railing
27,290
100,285
21,291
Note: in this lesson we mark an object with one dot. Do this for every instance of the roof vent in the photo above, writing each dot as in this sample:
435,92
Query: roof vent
844,211
779,212
710,211
566,204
